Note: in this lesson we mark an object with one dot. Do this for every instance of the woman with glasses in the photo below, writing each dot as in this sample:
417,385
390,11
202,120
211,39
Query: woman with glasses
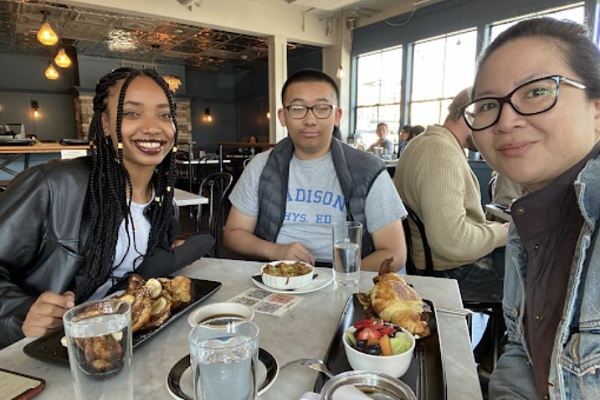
536,119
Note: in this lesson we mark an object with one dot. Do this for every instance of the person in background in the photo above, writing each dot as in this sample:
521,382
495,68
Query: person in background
414,131
73,229
288,197
383,141
434,179
251,151
536,120
404,132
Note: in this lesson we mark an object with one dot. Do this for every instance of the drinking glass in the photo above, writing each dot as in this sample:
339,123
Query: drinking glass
98,337
224,355
347,243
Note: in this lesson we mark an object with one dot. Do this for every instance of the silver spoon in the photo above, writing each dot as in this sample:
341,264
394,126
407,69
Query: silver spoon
313,363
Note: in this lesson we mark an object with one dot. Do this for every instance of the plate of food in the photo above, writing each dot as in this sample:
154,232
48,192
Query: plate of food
288,276
391,301
180,386
156,310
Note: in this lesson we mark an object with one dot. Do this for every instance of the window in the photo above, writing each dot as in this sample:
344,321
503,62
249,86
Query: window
379,77
573,13
442,67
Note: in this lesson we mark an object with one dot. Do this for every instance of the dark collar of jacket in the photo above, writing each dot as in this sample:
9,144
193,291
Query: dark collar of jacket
356,171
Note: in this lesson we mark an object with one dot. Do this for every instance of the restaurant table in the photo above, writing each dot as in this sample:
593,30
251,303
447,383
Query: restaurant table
9,154
183,198
304,332
192,166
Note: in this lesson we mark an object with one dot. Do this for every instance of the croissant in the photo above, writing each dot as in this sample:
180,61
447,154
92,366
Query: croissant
397,302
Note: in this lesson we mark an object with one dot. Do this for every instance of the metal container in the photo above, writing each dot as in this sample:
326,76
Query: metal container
376,385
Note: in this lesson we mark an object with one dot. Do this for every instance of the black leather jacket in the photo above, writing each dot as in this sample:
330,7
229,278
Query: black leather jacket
43,226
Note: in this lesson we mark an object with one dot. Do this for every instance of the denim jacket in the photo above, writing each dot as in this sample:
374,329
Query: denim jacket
575,364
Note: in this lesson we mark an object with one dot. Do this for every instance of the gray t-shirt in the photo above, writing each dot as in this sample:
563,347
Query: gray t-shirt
315,200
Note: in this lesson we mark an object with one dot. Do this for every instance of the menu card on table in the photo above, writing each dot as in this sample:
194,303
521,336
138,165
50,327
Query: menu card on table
261,301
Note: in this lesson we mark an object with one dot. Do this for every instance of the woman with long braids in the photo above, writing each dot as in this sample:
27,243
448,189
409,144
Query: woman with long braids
72,230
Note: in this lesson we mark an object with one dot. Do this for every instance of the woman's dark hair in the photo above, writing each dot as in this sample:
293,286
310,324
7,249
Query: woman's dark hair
573,40
110,185
405,128
309,76
414,131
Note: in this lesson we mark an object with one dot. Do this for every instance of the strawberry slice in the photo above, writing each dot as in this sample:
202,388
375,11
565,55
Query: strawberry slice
364,323
368,333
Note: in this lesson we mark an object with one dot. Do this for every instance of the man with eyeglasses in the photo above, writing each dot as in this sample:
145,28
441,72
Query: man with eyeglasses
287,198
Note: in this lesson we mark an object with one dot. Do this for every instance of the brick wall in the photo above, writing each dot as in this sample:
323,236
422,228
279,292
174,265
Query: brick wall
84,111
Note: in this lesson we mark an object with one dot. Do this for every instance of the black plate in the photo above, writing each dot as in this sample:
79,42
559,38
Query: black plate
425,376
16,142
176,373
49,348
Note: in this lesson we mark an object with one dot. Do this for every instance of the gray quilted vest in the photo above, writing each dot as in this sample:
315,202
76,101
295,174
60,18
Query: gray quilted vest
356,172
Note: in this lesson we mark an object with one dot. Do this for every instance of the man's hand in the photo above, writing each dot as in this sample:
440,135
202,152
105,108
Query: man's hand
293,251
47,312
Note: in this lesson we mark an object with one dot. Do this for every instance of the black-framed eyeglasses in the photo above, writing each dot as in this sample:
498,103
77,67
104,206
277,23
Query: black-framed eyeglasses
320,111
533,97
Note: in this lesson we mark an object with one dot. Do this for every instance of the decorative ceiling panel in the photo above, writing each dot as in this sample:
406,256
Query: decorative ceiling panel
112,35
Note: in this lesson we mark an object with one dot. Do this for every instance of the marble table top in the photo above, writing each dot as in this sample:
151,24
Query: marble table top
304,332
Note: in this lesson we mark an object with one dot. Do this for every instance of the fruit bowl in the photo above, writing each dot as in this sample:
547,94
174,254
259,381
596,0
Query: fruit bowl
290,274
395,365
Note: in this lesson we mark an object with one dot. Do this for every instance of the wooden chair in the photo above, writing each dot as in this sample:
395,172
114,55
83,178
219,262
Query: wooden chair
215,187
485,303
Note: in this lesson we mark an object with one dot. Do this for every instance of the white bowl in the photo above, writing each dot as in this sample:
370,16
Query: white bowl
284,282
220,310
395,365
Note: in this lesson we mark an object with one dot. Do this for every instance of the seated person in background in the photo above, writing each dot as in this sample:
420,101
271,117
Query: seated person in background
434,179
404,131
551,147
287,197
250,151
414,131
505,191
383,141
72,229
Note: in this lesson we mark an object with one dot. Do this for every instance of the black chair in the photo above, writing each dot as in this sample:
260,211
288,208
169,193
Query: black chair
485,303
215,187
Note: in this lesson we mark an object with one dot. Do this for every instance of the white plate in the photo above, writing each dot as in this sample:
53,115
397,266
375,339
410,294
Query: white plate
324,278
180,386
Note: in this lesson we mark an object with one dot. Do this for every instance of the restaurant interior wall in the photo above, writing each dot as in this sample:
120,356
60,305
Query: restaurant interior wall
445,17
22,80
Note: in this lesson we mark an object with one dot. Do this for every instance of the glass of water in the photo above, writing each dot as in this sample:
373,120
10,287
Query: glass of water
224,355
347,244
98,337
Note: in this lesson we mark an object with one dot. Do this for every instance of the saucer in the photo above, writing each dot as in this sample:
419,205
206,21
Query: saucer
323,278
180,386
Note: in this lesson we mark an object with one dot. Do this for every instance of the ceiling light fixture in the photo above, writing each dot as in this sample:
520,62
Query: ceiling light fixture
62,59
174,82
51,72
46,34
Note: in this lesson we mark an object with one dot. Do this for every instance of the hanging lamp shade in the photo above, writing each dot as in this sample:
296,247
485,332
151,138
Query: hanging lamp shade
46,34
51,72
62,59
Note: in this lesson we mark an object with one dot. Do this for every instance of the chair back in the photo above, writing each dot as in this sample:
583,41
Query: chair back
215,187
410,265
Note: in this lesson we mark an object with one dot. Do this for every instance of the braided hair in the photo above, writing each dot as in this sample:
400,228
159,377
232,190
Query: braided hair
110,185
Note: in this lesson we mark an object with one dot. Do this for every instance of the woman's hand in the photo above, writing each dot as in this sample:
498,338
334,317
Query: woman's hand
47,312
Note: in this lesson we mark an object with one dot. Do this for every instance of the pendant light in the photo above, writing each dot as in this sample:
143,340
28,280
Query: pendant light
46,34
51,72
62,59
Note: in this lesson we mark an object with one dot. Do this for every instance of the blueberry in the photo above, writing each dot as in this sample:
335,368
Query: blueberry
374,350
361,344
